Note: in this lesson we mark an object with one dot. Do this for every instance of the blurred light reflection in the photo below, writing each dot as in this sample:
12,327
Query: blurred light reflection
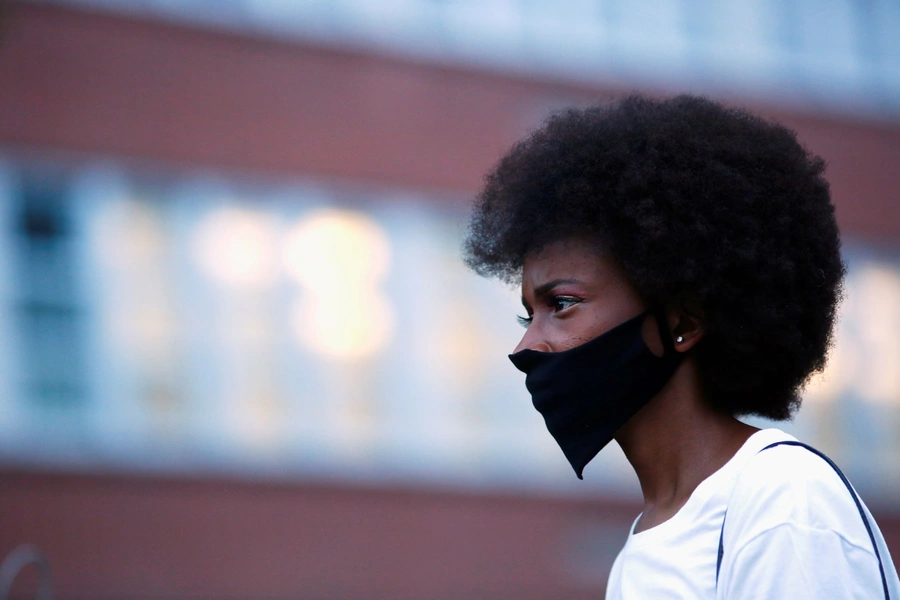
340,258
878,290
238,247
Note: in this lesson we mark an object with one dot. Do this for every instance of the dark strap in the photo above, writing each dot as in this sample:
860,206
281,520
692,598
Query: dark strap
856,501
662,324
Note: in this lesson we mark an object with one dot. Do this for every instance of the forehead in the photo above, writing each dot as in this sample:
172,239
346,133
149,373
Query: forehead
568,259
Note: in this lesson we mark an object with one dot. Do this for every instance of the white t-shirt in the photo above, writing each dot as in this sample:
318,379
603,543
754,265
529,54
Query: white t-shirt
793,531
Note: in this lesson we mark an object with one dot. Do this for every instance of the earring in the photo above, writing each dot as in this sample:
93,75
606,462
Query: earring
679,339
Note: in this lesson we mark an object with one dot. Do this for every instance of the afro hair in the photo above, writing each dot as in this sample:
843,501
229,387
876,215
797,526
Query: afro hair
707,208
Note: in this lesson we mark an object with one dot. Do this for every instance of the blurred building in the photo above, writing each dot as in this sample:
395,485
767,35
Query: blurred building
239,354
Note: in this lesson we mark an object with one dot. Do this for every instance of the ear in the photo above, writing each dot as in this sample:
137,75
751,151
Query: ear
686,326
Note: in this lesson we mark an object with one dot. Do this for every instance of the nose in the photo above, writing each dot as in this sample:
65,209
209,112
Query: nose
532,341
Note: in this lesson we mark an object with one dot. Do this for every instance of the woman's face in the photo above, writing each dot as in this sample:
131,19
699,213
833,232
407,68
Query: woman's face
572,294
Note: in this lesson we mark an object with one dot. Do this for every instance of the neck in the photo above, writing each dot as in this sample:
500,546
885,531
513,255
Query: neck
675,442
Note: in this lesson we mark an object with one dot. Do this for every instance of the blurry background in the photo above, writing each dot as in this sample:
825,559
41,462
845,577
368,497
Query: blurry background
239,354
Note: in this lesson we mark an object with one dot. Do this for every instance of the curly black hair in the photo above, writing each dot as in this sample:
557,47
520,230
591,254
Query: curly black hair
707,208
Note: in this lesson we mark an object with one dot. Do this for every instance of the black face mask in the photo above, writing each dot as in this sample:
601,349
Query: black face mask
587,393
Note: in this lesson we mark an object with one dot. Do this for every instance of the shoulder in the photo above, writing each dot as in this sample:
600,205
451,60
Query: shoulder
794,529
791,485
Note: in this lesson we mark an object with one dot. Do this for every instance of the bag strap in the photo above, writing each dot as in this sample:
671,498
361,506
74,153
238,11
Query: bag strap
856,501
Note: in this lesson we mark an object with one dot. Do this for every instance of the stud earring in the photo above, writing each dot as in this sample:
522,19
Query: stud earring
679,339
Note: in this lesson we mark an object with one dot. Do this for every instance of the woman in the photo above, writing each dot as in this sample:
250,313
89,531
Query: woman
680,267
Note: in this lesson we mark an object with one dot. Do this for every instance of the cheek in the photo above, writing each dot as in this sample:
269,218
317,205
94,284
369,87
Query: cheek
572,342
590,323
550,335
569,333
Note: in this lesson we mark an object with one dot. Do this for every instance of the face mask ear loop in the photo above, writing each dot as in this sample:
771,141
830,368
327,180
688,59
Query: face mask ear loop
661,324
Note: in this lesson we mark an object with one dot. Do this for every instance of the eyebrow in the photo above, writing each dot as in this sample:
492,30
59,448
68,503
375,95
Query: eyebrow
544,289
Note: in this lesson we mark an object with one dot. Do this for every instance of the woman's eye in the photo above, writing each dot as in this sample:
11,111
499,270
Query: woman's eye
561,303
525,321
